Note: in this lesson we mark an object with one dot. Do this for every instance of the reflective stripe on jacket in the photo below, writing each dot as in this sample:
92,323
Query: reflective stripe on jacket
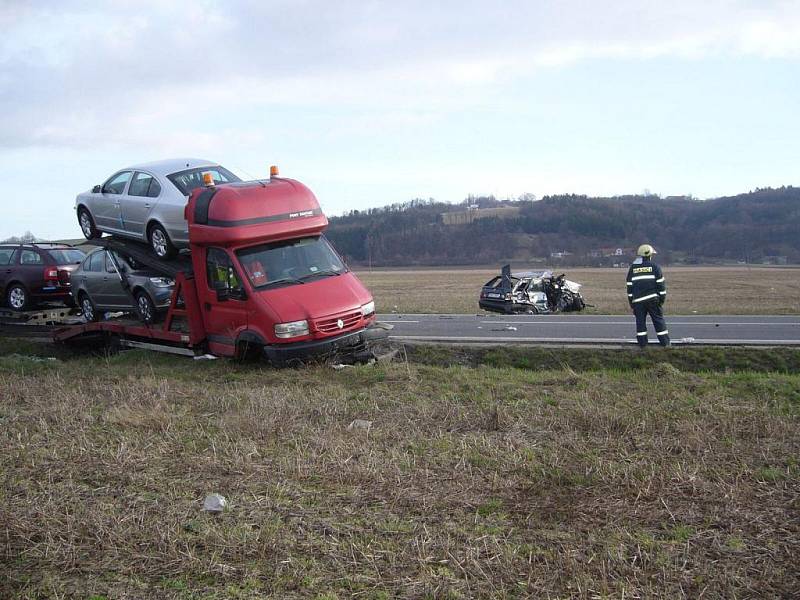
645,282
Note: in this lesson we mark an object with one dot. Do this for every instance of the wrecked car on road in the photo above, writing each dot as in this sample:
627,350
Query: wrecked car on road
531,292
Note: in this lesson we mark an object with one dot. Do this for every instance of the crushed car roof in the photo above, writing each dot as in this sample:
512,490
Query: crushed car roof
532,274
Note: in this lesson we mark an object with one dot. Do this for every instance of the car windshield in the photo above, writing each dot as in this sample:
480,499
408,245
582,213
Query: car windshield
290,262
67,256
191,179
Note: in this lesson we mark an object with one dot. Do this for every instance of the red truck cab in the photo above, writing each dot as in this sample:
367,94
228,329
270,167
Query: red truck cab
266,277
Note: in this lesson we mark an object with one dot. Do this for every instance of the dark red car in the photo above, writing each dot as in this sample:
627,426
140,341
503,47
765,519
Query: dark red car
34,273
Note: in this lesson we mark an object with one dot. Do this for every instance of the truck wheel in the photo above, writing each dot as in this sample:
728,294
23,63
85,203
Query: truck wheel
17,297
86,222
88,309
146,308
160,243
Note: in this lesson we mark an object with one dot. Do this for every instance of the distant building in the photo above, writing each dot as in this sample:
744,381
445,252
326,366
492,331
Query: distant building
465,217
775,260
607,252
560,254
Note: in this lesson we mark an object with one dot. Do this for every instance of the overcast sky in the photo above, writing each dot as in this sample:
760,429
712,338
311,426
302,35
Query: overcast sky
371,103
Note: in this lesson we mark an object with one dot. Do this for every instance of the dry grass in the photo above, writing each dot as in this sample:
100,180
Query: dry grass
472,482
701,290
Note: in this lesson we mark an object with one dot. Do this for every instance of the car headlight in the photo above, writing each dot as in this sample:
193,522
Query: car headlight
290,330
368,308
162,281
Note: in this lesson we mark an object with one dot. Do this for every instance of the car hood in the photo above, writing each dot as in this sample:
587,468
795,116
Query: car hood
316,298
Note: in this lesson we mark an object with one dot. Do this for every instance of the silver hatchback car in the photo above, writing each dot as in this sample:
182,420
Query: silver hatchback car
146,202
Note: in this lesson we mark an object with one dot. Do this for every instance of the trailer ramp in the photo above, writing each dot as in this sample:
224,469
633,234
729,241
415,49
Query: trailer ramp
141,254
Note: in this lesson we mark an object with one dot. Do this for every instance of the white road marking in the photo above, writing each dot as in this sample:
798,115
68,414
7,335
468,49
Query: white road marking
671,322
696,342
581,316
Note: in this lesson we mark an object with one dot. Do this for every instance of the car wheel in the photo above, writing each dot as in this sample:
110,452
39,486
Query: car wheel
146,308
17,297
160,243
88,309
86,222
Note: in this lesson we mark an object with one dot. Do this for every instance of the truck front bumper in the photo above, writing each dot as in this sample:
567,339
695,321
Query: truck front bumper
349,344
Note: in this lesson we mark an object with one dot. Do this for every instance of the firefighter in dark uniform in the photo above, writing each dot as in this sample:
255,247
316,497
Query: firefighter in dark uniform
647,292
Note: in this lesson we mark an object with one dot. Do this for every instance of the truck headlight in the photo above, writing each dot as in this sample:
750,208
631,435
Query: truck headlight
368,308
292,329
162,282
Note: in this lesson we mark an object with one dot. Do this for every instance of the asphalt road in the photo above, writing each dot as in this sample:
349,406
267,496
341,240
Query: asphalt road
592,329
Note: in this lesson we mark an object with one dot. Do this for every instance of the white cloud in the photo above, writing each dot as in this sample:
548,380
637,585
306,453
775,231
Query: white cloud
76,77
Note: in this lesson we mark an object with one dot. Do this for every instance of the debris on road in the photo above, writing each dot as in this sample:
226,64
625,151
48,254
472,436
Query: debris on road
215,503
362,424
24,358
665,369
388,356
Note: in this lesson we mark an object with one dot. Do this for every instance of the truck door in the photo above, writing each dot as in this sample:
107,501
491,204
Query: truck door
137,204
225,304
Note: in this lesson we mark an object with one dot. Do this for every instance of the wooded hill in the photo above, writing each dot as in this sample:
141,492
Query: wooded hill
759,226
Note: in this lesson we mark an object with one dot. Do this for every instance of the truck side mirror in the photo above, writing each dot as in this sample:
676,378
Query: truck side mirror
223,294
96,189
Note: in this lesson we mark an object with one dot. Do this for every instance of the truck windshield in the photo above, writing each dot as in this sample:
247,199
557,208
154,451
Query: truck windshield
190,179
290,262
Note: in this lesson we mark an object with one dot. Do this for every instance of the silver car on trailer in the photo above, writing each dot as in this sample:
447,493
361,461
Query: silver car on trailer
146,202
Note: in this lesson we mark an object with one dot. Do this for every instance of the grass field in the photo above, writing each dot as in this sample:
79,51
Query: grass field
474,480
700,290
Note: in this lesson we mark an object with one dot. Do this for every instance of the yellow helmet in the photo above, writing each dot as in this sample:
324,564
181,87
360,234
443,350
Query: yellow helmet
646,250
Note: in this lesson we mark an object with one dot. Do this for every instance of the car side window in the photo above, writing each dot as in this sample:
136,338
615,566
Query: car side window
95,262
31,257
154,190
140,184
5,256
116,185
144,185
220,271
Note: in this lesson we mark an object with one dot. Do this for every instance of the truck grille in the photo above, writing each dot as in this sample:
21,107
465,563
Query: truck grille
331,324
